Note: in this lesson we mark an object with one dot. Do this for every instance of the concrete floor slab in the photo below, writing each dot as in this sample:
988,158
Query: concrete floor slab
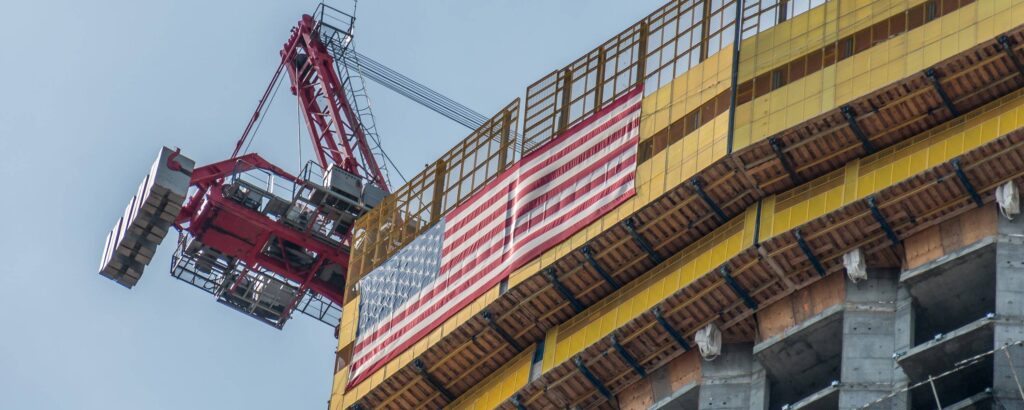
979,401
936,356
824,399
805,358
953,290
687,397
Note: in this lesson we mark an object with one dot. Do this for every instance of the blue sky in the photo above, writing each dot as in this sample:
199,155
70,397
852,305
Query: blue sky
90,90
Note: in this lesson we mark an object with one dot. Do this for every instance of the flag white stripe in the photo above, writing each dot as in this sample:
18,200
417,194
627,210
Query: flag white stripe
569,207
631,104
534,193
571,174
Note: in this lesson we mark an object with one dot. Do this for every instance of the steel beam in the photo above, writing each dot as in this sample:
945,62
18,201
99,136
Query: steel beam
934,78
736,287
588,254
851,119
808,252
630,225
488,317
784,159
873,204
628,357
698,187
433,382
562,290
1007,46
517,401
967,183
672,332
597,383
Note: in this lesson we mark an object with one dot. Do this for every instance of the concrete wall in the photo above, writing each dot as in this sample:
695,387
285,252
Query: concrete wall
838,344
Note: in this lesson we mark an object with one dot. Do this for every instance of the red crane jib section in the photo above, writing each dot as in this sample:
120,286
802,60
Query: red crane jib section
333,123
240,232
306,243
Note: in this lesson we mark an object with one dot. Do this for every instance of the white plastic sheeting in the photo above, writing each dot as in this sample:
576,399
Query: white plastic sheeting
856,267
709,341
1008,198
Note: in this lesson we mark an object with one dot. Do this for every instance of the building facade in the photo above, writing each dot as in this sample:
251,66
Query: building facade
838,134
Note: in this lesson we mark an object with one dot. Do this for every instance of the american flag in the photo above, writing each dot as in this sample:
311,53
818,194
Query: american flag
544,198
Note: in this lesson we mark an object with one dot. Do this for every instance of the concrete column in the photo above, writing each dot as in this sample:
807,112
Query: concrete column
1009,326
870,338
733,381
903,339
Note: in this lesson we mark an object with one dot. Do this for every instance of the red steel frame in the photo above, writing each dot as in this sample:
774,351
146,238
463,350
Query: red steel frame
334,128
231,228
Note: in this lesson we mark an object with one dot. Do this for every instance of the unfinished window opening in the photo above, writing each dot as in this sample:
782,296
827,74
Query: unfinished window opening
778,79
931,10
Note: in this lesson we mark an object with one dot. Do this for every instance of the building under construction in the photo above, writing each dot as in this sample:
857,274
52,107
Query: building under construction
821,219
731,204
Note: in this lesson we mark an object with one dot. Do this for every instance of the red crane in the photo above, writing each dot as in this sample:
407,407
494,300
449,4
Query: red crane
262,240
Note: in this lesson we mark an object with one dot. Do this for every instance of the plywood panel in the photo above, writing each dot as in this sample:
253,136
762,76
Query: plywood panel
978,224
950,236
923,247
800,306
638,396
684,370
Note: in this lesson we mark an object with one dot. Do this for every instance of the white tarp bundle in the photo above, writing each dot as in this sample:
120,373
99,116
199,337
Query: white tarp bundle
709,341
1009,199
856,267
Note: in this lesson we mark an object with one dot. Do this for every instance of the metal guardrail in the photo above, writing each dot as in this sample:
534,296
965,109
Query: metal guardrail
653,51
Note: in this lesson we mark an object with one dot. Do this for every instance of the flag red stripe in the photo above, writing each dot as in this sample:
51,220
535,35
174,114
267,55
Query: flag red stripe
592,165
575,211
583,157
569,133
583,191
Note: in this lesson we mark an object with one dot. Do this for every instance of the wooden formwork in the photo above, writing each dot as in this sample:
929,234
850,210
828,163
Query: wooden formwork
463,358
911,206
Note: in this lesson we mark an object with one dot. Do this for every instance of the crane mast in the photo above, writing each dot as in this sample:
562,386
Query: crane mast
334,127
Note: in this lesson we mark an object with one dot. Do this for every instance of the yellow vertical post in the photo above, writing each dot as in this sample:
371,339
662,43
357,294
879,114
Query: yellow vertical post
599,86
563,118
436,200
641,66
506,135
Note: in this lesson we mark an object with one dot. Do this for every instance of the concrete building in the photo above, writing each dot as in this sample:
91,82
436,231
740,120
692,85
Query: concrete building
828,196
951,318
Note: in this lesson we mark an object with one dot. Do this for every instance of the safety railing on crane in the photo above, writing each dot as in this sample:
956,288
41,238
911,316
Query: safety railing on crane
259,293
335,29
302,204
